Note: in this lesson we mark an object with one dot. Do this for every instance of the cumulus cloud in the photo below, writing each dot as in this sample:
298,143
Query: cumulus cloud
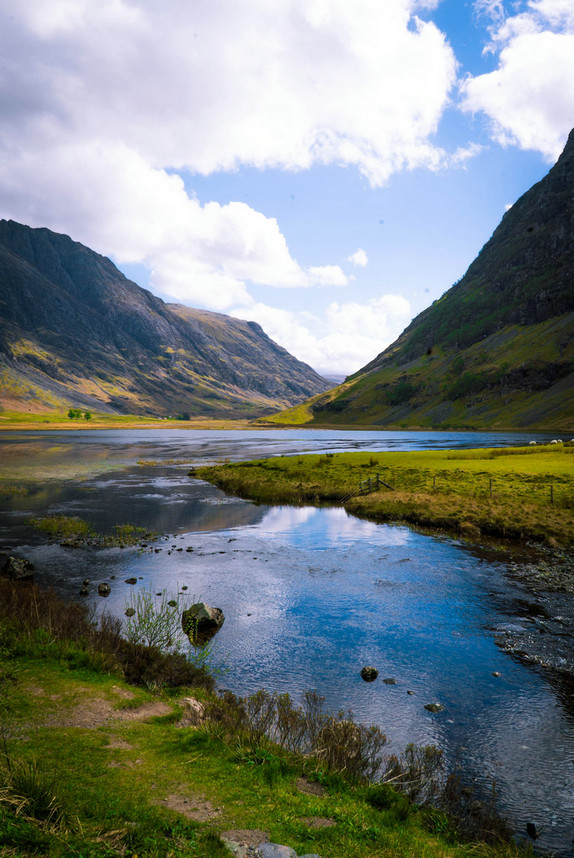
345,339
530,96
359,257
102,105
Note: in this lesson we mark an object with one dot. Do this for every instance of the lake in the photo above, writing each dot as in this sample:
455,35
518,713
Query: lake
311,595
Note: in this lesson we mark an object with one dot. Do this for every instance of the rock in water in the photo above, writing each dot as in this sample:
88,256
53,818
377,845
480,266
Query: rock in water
369,673
15,568
434,707
200,622
104,589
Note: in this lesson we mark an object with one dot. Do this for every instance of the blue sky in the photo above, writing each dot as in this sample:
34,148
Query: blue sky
325,167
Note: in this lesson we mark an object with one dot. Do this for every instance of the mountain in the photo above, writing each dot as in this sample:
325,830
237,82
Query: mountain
75,331
497,350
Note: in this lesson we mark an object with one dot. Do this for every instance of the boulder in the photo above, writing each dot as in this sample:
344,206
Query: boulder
200,622
104,589
16,568
369,673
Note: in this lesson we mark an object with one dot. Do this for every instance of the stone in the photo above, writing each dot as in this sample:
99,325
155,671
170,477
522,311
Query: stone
84,591
131,580
85,582
434,707
104,590
129,612
274,850
16,568
200,622
369,674
390,681
194,714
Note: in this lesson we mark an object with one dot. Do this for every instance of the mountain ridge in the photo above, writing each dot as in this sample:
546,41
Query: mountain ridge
75,331
497,349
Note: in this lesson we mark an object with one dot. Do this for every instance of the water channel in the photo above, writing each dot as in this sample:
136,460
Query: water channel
311,595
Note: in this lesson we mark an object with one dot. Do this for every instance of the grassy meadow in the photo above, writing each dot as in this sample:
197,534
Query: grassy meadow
517,493
18,420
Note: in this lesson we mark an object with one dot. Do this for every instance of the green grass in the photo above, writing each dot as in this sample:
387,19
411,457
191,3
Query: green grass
85,771
75,528
515,493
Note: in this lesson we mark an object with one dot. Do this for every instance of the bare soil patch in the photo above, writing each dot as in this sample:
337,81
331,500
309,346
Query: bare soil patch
191,806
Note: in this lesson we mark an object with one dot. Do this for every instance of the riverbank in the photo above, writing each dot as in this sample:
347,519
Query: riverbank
514,493
15,421
93,765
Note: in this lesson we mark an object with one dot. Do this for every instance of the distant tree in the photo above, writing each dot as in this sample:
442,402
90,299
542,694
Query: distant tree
87,416
185,416
74,414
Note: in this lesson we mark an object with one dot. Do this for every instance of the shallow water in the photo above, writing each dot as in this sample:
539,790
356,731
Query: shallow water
311,595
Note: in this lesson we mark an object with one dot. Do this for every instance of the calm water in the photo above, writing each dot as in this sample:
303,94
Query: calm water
311,595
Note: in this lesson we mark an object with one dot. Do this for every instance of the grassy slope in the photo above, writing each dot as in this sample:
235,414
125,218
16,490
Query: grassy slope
497,396
76,729
448,490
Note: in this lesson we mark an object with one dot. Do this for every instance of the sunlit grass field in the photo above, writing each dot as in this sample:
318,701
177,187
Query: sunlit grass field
516,493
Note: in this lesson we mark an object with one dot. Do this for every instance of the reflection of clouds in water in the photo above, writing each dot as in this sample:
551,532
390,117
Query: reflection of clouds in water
327,528
281,519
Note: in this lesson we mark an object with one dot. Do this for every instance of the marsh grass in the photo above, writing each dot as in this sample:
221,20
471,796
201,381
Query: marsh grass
514,493
75,528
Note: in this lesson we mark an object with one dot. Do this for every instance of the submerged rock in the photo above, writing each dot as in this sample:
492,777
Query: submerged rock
369,673
104,589
434,707
200,622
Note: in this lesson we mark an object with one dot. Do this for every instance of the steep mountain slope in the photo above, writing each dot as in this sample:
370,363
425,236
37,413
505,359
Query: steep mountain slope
75,331
497,350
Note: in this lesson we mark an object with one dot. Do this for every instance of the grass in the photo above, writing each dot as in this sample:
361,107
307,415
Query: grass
524,493
10,420
74,529
83,772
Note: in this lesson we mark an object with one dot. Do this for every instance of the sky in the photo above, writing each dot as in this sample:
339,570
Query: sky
327,168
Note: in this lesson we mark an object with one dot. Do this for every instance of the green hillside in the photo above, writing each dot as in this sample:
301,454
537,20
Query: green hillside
497,350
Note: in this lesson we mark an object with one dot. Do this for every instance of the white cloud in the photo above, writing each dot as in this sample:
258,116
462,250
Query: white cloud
530,96
327,275
101,104
345,339
359,257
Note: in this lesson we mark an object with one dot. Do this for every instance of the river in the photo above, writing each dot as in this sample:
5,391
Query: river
310,595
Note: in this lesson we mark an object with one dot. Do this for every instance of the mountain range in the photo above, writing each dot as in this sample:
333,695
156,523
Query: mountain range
75,332
497,349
